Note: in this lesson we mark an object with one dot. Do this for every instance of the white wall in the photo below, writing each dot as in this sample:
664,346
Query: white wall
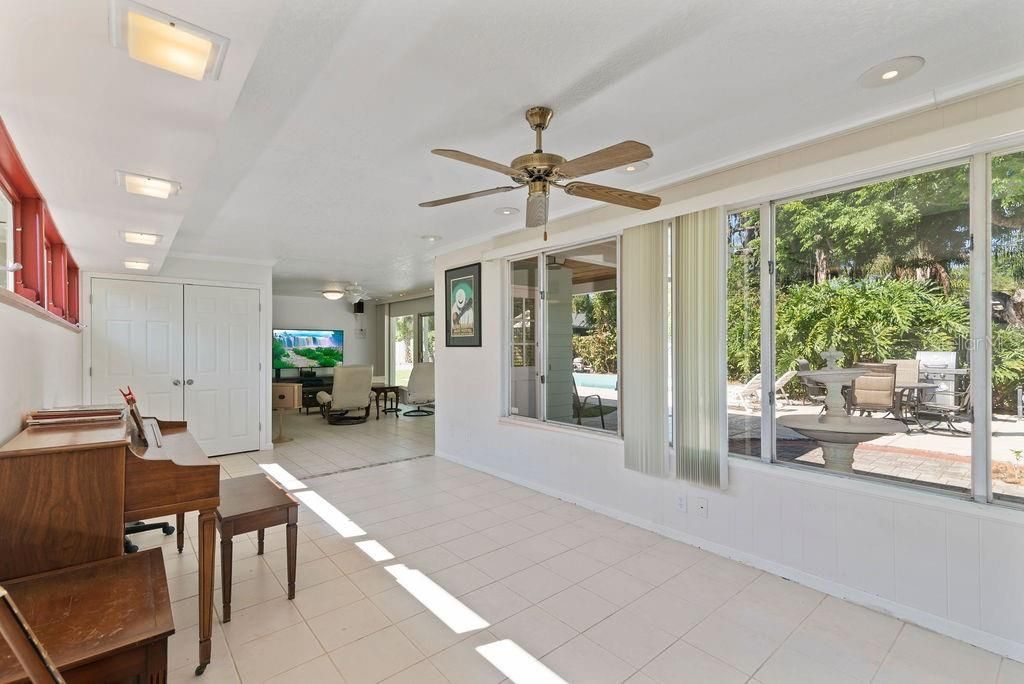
321,314
40,366
950,565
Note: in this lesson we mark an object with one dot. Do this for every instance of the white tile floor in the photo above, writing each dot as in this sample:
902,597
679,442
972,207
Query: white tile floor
595,600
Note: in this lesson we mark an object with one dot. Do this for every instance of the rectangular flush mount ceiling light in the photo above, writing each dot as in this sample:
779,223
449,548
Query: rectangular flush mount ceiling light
137,265
166,42
149,186
148,239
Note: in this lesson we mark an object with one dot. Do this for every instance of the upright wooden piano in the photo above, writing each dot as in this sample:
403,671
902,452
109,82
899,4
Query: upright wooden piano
67,491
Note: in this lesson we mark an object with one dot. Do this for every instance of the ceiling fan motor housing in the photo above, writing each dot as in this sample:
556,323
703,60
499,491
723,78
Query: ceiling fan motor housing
537,164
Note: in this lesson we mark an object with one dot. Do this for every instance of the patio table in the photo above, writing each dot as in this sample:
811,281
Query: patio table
910,393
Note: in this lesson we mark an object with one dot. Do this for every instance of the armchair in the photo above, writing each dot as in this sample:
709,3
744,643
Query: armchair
350,393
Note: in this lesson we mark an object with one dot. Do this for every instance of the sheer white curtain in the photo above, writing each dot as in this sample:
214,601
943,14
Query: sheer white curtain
700,425
644,356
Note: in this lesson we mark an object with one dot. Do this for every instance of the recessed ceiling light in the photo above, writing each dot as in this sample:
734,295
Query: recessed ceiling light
635,167
137,265
150,186
333,295
430,238
891,71
506,211
166,42
148,239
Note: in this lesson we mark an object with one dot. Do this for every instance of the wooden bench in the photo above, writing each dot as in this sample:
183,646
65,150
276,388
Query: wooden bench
98,622
252,504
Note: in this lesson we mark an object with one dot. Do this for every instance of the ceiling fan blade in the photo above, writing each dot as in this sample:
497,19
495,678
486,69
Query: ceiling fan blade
536,209
602,193
479,161
602,160
469,195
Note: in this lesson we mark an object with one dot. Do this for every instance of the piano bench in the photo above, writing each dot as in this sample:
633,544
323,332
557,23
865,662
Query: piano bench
98,622
252,504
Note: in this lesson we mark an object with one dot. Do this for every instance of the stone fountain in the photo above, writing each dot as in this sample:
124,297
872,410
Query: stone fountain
837,432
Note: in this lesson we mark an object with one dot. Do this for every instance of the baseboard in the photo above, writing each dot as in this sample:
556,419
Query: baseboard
976,637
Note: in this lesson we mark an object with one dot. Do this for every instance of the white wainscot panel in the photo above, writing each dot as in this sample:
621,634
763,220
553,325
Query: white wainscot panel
866,544
1002,579
818,522
921,573
963,572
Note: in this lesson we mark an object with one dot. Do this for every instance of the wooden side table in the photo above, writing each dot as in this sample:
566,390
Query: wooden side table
384,391
252,504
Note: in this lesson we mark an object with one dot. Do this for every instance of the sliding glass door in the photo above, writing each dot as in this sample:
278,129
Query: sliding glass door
402,348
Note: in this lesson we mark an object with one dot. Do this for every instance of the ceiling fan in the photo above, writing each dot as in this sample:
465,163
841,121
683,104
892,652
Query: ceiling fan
539,171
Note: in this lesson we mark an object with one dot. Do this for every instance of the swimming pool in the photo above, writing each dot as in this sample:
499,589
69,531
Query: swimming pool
596,380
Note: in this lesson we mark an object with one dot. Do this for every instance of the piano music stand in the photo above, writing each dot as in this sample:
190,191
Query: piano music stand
140,526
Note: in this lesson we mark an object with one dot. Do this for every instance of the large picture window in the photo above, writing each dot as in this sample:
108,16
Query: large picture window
1007,273
894,313
879,273
564,337
743,324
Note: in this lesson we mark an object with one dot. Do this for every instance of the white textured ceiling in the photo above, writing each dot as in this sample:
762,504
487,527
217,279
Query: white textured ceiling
319,160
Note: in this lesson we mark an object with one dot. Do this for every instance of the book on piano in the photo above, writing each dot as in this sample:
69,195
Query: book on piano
75,415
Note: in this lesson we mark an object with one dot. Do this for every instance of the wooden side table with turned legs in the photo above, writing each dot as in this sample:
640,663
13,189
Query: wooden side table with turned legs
252,504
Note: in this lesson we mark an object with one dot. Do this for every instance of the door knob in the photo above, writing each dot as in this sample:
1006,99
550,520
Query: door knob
189,381
175,382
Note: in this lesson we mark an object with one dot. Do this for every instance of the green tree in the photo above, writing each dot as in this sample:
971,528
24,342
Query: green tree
599,347
403,334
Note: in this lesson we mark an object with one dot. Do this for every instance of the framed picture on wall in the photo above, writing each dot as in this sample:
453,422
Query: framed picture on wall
462,296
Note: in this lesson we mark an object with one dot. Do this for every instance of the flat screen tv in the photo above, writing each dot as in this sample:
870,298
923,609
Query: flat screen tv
298,348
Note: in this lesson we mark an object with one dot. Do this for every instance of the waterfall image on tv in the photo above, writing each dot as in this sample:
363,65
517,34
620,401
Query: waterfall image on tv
308,348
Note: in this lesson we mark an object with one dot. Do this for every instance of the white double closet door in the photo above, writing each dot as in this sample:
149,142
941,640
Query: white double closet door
189,352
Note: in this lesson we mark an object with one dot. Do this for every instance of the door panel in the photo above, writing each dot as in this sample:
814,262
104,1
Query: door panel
136,340
222,363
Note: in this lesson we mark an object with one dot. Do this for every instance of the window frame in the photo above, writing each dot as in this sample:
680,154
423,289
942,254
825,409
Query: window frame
540,334
34,233
420,337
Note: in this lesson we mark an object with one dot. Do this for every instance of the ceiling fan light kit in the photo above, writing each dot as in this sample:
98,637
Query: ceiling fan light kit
539,171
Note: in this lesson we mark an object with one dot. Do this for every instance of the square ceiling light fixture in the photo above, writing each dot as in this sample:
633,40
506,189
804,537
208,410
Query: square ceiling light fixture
136,265
150,186
166,42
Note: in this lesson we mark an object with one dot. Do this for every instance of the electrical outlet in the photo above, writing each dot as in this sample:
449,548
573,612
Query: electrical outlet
702,507
681,503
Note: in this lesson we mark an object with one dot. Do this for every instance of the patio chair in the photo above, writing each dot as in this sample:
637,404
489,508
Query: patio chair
908,371
929,415
814,390
780,385
746,395
875,391
579,404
